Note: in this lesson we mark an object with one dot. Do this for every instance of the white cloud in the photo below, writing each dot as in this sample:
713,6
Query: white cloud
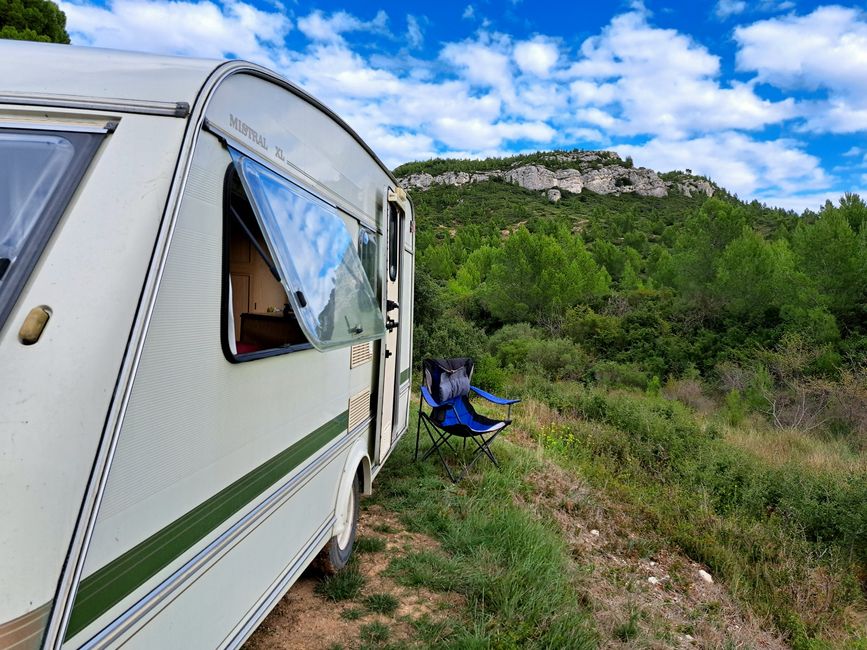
202,29
482,63
414,34
469,12
319,27
726,8
660,82
855,151
751,168
536,56
825,50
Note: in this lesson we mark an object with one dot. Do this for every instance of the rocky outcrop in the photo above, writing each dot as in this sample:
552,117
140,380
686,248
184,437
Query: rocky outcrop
693,186
601,172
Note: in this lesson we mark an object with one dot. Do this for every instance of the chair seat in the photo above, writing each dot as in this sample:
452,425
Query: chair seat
473,428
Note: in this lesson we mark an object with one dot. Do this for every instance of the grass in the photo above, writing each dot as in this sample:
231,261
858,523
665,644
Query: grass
352,614
512,569
376,633
781,447
628,630
381,604
345,585
369,544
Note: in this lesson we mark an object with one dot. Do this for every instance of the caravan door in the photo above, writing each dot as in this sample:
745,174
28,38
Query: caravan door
393,273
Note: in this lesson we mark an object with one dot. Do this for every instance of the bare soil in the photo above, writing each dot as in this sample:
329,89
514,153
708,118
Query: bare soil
305,620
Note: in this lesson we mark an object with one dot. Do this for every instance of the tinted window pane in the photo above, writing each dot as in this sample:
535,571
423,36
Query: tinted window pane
31,167
319,268
368,252
39,171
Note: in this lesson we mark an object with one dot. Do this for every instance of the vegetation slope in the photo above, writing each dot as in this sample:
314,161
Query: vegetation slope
704,359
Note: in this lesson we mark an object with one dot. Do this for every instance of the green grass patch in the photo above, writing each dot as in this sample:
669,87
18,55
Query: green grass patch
381,603
369,544
345,585
375,633
512,568
352,614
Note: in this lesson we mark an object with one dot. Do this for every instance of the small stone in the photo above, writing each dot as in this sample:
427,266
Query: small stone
652,563
653,580
594,532
688,637
554,195
704,575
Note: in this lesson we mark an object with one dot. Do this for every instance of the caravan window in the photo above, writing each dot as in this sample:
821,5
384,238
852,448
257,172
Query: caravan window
315,258
39,171
368,252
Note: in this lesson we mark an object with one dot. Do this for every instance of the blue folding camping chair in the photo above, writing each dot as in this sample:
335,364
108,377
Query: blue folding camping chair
446,388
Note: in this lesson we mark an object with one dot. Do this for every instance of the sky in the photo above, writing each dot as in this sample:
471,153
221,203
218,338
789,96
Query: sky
767,98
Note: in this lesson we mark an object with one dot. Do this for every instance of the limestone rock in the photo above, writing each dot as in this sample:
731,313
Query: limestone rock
531,177
569,180
554,195
602,172
704,575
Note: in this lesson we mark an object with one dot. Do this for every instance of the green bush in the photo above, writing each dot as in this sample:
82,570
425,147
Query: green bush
610,373
559,359
735,409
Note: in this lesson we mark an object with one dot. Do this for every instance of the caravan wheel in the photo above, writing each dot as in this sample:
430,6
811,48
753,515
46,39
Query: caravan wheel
338,550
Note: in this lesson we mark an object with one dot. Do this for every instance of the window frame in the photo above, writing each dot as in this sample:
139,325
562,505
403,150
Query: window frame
234,357
17,274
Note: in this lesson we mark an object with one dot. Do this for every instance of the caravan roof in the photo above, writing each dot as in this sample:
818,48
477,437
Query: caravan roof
36,69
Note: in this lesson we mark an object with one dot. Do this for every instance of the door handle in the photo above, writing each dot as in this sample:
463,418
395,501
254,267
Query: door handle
390,324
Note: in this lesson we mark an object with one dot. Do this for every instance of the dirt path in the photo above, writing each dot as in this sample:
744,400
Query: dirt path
304,619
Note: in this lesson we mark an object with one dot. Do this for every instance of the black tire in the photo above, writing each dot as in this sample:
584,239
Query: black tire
333,557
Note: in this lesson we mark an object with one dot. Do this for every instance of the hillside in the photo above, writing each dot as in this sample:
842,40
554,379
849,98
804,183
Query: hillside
702,361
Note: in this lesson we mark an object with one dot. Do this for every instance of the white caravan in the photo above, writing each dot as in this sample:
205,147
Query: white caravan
205,327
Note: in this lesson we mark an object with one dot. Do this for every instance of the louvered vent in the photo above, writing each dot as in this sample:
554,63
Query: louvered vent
361,353
359,408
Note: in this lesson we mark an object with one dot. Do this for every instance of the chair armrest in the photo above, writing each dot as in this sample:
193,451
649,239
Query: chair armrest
429,398
493,398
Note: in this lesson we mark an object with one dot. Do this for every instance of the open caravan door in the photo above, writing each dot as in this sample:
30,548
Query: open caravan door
391,356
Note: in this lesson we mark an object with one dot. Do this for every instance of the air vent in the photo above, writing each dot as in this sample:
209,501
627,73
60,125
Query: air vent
359,408
361,353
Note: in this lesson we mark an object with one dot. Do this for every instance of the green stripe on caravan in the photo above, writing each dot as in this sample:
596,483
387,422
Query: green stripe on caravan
404,375
103,589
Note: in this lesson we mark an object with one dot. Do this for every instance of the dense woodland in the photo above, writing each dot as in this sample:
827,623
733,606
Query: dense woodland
720,345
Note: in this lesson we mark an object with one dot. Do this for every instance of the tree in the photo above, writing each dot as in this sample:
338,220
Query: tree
704,238
32,20
535,275
828,251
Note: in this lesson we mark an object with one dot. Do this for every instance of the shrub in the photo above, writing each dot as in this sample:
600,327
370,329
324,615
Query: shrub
735,409
689,392
610,373
559,359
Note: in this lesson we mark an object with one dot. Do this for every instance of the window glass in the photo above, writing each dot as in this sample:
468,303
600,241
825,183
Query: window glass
368,251
314,253
39,170
393,238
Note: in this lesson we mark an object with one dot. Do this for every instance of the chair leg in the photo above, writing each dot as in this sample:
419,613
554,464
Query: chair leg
417,430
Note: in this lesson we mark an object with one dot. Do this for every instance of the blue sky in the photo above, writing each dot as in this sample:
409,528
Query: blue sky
768,98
